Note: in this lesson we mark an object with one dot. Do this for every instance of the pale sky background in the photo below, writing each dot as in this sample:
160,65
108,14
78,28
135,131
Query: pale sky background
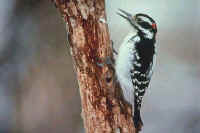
172,102
38,89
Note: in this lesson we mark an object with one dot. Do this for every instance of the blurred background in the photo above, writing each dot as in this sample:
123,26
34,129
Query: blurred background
38,88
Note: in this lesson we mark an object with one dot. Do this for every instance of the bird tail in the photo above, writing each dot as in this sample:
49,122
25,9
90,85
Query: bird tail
137,120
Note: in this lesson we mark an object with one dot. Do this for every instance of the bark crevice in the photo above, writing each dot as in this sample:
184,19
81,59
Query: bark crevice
103,109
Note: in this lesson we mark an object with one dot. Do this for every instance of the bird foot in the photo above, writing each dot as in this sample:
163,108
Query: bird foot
106,61
114,51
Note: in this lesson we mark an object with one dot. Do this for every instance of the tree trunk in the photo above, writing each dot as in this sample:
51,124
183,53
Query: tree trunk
103,109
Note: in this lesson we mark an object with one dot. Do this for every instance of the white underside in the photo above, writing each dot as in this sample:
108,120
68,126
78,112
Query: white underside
124,65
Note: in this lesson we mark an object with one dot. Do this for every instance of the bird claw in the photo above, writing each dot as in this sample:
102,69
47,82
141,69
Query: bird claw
100,64
107,61
114,51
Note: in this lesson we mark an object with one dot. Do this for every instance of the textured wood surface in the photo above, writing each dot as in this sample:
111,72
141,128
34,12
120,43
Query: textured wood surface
103,109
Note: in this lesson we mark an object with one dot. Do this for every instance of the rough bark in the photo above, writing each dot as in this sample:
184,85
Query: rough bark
103,109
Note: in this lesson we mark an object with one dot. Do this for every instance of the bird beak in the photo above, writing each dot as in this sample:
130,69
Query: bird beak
126,15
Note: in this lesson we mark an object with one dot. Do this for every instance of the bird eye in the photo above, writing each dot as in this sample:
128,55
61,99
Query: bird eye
139,20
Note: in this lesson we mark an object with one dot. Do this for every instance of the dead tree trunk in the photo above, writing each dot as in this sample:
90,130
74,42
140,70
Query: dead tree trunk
103,110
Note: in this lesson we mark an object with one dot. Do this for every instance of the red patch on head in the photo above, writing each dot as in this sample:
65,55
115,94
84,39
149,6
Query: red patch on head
154,26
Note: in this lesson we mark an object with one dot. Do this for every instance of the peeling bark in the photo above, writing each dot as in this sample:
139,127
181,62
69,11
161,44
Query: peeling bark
103,109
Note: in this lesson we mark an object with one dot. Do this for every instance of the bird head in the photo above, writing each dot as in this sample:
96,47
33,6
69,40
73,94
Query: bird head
144,24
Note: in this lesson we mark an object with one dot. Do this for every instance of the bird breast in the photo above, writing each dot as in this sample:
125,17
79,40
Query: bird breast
124,64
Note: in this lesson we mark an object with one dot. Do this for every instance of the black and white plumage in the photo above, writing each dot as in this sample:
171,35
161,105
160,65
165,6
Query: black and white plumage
134,64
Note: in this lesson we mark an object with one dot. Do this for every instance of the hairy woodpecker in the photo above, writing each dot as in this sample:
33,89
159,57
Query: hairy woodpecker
135,60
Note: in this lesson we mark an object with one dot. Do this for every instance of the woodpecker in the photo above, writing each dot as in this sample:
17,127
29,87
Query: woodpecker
135,60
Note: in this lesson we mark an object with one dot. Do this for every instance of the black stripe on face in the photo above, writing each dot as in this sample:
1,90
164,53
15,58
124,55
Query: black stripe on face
146,16
145,25
144,22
